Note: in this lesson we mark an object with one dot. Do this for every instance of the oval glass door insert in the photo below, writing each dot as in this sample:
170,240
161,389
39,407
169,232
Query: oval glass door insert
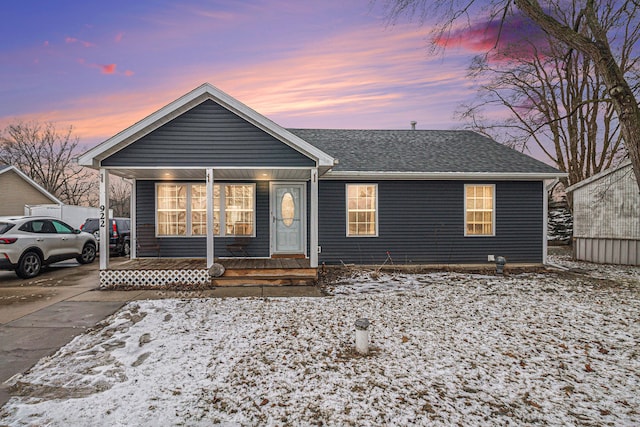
288,209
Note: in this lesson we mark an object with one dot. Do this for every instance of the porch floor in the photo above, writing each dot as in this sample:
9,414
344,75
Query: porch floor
201,263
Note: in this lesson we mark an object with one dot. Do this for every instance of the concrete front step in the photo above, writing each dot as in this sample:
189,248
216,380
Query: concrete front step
267,273
273,281
267,277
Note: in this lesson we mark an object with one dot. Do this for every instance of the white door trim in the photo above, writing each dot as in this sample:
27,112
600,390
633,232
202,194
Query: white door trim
273,209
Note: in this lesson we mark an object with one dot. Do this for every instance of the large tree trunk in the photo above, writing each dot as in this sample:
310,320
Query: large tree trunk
599,50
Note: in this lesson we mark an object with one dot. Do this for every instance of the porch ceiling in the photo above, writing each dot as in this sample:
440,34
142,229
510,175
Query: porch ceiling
197,174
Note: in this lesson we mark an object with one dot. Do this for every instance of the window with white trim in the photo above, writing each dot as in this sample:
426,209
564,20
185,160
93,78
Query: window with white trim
182,209
362,210
172,209
479,209
238,209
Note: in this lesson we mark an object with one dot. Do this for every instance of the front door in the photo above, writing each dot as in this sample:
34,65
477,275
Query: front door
288,217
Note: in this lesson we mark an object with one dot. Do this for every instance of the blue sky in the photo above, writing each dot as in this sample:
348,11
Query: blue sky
102,66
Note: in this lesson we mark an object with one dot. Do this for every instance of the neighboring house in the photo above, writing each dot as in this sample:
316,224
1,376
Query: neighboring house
606,217
18,190
208,162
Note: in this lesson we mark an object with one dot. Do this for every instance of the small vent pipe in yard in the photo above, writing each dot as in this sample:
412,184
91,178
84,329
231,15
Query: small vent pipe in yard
362,336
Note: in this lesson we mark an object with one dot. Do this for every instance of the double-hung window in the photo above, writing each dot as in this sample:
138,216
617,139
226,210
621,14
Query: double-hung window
362,210
238,214
172,209
182,209
479,206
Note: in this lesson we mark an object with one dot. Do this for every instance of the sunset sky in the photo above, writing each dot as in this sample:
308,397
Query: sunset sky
103,65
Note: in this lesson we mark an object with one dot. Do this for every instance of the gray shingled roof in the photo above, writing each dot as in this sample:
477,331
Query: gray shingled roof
3,167
419,151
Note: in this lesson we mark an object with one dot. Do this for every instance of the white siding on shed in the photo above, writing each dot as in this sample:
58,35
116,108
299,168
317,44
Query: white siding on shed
606,217
608,207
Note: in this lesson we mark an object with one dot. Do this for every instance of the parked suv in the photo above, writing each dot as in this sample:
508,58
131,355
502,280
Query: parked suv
29,243
119,233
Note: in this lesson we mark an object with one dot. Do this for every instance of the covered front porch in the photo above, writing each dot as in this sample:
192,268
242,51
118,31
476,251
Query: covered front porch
274,217
207,171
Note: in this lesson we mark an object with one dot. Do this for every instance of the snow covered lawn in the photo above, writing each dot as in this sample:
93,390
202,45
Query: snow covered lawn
447,348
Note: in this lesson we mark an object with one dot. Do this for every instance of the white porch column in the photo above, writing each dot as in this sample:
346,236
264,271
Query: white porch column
545,222
104,219
210,247
313,218
133,238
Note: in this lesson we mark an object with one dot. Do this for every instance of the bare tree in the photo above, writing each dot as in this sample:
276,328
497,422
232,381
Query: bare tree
48,157
120,197
590,36
555,100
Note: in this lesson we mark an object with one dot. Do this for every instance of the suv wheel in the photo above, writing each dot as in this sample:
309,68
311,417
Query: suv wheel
126,249
29,265
88,254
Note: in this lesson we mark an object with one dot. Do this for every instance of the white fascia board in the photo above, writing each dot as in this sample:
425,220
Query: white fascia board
494,176
206,91
34,184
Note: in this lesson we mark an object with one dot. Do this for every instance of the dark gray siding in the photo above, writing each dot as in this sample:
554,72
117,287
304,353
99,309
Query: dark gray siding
196,247
208,135
423,222
419,222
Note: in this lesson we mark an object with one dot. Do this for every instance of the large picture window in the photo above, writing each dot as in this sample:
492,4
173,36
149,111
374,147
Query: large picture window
362,210
479,210
182,209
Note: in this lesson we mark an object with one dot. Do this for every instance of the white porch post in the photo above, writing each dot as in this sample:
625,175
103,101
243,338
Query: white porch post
133,238
104,219
545,222
210,247
313,218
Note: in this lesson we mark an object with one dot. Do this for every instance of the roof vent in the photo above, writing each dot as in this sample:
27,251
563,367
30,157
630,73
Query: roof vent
413,124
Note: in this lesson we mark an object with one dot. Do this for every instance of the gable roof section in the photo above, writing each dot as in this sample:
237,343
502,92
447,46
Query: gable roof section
208,135
186,102
422,154
598,176
7,168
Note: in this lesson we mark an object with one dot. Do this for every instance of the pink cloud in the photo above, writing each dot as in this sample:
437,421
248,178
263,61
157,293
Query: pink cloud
118,37
517,37
363,78
105,68
108,69
73,40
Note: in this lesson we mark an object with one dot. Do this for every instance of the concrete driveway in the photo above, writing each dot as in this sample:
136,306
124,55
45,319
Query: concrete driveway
58,282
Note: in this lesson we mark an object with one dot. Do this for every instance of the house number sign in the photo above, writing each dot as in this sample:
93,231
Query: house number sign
102,217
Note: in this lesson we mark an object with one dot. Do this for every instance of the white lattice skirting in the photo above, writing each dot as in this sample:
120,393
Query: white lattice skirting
153,278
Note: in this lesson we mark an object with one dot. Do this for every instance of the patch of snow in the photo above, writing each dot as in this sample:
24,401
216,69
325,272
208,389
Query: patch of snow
619,273
446,348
